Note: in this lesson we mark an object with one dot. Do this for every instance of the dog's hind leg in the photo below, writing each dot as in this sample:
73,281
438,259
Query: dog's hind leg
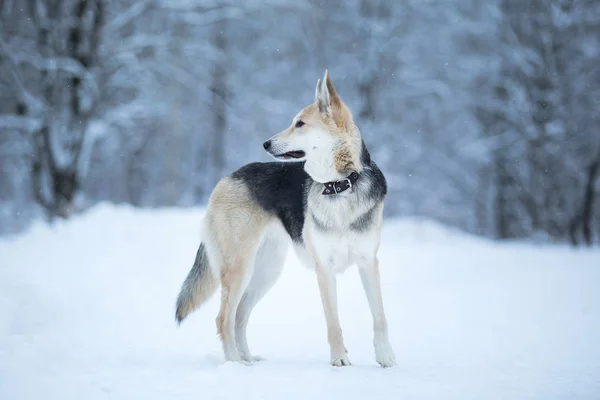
236,273
235,227
234,280
268,264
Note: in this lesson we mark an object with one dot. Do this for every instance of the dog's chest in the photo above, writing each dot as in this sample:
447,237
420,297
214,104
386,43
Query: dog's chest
342,234
338,250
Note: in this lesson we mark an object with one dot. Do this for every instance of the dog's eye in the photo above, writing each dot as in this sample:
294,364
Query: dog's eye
299,123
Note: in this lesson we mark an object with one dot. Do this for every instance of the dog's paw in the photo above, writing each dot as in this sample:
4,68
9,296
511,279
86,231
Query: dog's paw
341,361
257,359
252,359
384,355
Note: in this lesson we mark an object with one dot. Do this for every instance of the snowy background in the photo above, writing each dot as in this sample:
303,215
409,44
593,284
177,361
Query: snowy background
118,117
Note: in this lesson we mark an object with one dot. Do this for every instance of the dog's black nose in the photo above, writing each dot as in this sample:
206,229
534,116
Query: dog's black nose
267,144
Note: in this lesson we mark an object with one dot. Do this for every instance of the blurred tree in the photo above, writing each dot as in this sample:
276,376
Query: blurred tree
482,115
539,122
56,98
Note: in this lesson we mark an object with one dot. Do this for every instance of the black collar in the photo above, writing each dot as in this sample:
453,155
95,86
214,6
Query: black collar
337,187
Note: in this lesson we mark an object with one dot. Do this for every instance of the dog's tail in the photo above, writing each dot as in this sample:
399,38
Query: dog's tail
199,285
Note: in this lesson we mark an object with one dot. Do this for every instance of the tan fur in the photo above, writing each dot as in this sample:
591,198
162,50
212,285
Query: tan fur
345,159
341,114
233,214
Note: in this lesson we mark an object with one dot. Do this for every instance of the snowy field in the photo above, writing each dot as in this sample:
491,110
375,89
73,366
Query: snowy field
86,312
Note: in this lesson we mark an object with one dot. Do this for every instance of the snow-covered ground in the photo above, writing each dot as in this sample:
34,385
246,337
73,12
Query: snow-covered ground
86,312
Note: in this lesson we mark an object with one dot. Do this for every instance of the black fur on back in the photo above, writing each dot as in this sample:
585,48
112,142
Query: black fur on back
279,188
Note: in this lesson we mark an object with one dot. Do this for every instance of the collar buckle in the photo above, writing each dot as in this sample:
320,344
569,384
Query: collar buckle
340,186
347,180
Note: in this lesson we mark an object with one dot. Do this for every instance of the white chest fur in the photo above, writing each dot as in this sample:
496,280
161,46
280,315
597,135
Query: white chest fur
338,251
334,239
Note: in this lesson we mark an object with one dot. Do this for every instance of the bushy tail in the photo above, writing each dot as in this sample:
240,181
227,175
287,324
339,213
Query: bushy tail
199,285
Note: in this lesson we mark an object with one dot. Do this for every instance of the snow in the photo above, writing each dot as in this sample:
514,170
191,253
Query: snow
87,312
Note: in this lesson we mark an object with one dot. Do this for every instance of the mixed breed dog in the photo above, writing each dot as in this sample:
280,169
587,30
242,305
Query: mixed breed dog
328,204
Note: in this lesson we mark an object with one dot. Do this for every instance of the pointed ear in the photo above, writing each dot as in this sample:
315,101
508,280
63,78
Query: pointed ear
322,98
335,103
335,106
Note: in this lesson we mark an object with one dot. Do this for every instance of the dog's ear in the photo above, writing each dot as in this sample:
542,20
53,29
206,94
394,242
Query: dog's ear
326,97
335,103
328,100
322,98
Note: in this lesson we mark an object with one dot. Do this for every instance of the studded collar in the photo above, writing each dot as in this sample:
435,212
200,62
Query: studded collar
337,187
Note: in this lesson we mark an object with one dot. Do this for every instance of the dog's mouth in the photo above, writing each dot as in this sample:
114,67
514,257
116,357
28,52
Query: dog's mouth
291,155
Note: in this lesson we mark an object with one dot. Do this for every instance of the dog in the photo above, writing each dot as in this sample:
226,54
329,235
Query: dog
325,197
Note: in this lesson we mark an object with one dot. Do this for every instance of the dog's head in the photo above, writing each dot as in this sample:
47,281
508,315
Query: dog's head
321,133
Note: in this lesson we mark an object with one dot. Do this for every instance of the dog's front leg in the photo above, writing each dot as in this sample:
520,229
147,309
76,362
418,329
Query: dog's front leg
369,275
327,287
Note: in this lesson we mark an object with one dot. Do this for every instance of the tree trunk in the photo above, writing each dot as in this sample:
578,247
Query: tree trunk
57,179
587,213
65,185
367,111
502,229
585,217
